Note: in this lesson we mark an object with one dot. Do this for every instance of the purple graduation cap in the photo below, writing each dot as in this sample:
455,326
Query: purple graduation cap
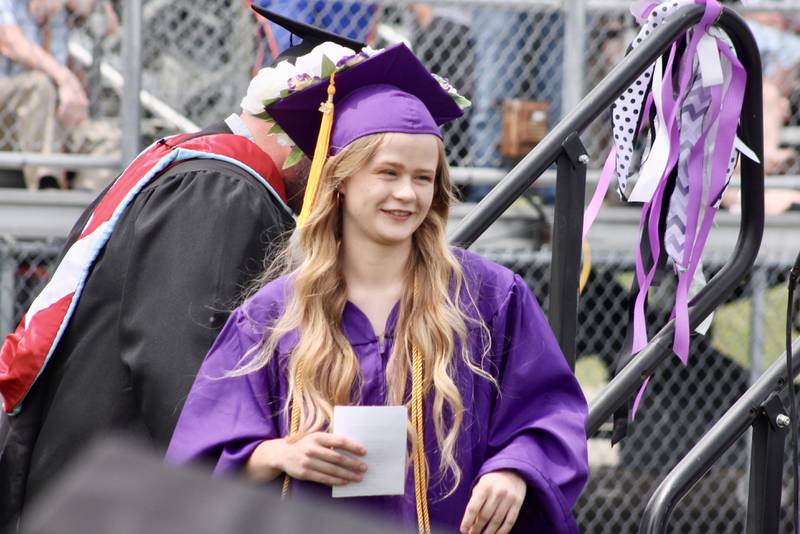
391,91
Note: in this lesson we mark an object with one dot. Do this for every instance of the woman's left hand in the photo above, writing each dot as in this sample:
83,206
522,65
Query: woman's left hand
495,503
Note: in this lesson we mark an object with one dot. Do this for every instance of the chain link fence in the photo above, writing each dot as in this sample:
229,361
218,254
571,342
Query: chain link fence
680,404
197,57
196,61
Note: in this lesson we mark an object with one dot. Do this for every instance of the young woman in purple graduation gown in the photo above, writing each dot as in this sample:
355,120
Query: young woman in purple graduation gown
376,309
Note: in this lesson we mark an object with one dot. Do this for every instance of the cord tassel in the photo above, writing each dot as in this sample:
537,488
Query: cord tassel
320,153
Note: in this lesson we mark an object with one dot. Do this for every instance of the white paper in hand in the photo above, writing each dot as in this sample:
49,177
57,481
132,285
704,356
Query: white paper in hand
382,431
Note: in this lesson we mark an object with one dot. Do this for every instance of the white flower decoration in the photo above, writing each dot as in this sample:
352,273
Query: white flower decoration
312,63
266,87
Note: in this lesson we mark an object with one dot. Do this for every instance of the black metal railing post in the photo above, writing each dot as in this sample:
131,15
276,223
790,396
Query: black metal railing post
766,467
724,433
567,230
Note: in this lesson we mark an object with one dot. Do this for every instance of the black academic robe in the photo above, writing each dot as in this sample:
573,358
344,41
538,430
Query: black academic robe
154,302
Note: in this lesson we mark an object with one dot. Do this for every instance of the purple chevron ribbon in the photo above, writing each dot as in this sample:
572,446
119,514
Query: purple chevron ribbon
693,112
720,163
670,107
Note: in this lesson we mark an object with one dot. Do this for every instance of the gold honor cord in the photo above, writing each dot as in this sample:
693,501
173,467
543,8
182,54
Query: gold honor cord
586,267
417,421
294,421
320,153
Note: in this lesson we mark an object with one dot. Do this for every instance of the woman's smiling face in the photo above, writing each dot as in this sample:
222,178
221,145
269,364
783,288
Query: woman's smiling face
387,200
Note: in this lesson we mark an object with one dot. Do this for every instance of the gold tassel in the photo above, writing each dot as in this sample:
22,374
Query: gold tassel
320,154
418,422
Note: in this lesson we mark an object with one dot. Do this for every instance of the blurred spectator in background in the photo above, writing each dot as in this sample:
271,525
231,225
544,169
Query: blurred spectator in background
518,54
351,19
43,106
442,41
499,44
776,200
779,45
776,35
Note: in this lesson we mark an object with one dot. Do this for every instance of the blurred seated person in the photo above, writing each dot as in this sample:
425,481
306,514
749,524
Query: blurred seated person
776,200
441,37
779,45
43,106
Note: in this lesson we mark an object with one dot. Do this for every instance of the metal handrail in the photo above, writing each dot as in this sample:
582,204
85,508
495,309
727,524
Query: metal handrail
751,228
629,379
528,170
725,432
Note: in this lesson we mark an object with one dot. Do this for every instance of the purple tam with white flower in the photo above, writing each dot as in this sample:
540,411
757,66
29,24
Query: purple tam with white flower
391,91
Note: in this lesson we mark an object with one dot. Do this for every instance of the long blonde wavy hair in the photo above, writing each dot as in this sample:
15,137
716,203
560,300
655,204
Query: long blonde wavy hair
434,322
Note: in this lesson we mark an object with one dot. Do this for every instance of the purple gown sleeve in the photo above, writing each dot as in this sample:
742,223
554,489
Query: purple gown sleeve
225,418
537,424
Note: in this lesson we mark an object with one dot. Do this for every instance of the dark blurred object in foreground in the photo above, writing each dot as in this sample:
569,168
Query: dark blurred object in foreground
119,487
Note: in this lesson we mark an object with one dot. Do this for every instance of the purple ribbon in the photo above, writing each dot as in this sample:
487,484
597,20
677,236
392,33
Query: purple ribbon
671,109
604,180
651,211
723,146
709,154
601,189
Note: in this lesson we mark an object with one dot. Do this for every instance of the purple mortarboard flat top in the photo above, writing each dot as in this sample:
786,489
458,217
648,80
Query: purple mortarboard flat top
379,108
389,92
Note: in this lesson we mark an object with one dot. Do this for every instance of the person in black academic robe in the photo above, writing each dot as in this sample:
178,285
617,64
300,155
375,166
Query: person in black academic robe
153,304
156,297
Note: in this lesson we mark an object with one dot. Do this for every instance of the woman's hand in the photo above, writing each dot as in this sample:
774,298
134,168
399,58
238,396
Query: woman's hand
495,503
312,458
